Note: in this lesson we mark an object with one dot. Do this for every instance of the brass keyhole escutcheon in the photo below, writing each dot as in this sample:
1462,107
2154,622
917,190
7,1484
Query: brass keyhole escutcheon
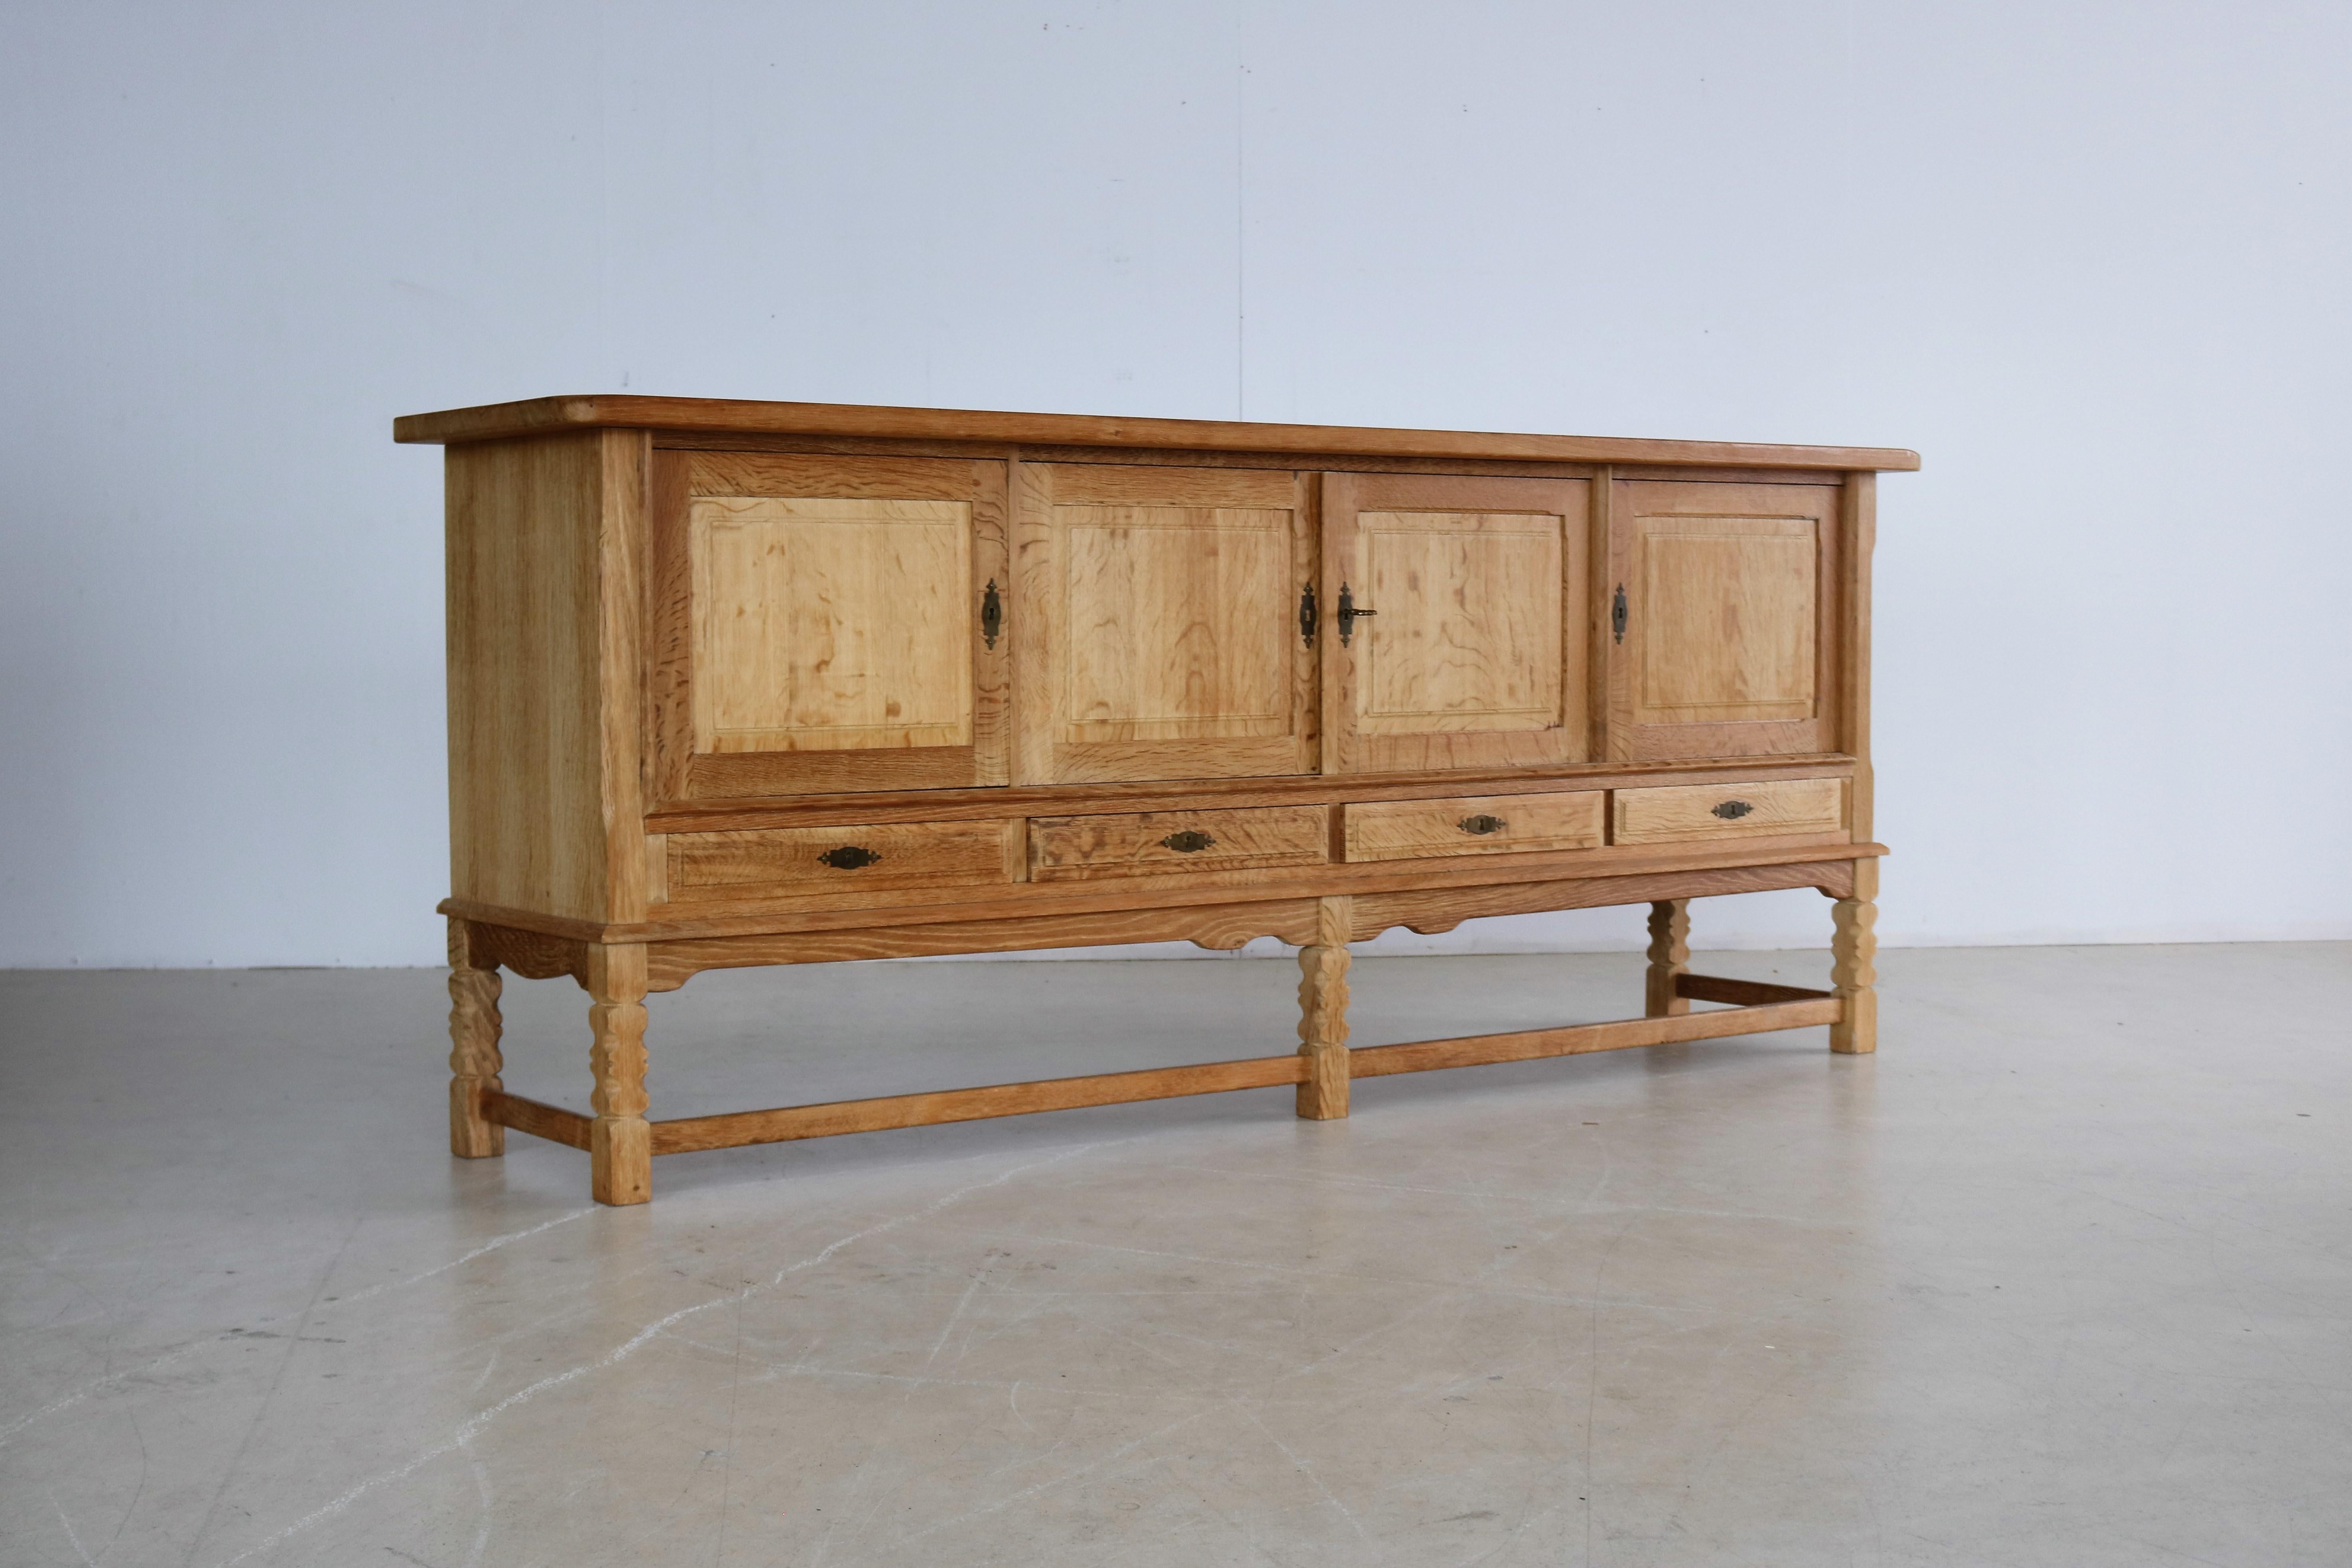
1190,841
1483,824
849,857
992,614
1733,810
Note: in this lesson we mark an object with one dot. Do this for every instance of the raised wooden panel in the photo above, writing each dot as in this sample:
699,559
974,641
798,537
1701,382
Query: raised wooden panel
1156,624
1133,843
1681,814
1732,633
1730,607
1474,649
818,625
1474,824
800,861
1469,632
1175,626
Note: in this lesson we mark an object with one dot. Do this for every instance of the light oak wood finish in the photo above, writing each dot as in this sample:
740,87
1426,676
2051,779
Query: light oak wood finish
875,855
1323,1013
474,1061
739,684
544,539
1471,644
1218,927
1432,910
1669,958
818,625
731,417
1474,824
1156,622
1858,519
789,1122
1853,968
941,805
1732,647
1577,1039
1079,849
620,1141
539,1119
1682,813
1596,868
1740,992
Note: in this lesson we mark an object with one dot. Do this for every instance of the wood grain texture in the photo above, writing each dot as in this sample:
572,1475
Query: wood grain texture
1733,647
913,907
1066,800
1669,957
1219,927
767,626
1323,1014
830,624
1476,653
1684,813
1432,910
727,415
529,954
1853,975
1740,992
815,624
1858,519
620,1146
787,1124
1424,1056
539,1119
1474,824
1077,848
795,859
475,1063
543,609
1162,626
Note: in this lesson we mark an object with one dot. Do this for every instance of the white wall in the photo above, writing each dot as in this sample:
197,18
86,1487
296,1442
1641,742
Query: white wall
2090,259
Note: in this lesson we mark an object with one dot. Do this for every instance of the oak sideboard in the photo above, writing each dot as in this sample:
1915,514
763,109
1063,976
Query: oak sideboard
740,683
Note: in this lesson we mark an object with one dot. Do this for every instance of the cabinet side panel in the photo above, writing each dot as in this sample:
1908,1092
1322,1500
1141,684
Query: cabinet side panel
527,819
1858,514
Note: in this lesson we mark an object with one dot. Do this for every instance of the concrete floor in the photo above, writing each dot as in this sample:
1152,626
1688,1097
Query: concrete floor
2063,1278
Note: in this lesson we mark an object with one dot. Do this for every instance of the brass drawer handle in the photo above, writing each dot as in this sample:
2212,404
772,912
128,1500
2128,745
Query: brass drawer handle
1733,810
1481,823
1190,841
849,857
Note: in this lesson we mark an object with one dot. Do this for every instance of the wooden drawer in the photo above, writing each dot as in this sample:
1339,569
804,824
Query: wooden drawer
1684,811
822,859
1473,825
1135,844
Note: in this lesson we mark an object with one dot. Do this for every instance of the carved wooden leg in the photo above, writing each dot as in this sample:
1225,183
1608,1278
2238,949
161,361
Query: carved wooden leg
474,1061
1669,956
1854,972
1323,1013
620,1141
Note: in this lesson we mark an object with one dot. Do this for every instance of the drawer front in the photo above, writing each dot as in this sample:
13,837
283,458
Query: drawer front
1473,825
822,859
1686,812
1146,843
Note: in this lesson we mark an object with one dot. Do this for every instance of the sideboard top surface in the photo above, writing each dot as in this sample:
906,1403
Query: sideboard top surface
709,416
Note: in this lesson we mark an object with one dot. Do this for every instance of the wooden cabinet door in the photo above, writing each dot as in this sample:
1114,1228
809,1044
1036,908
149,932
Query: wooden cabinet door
823,624
1472,645
1155,626
1729,645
